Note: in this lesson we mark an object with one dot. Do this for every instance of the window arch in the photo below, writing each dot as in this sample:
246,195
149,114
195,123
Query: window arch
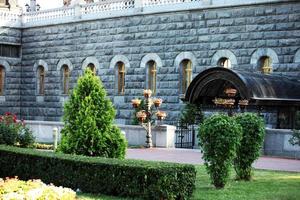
264,60
92,63
297,57
119,64
151,63
2,80
64,67
265,64
152,75
224,62
41,80
224,58
185,75
92,67
121,78
65,71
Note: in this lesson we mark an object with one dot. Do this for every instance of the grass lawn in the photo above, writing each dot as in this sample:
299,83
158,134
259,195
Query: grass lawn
265,185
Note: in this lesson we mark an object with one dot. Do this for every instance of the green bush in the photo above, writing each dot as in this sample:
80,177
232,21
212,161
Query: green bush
25,137
14,132
295,139
88,121
132,178
219,137
252,139
191,114
8,134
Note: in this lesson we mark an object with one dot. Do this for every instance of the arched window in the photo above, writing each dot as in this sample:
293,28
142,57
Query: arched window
121,78
41,80
2,78
92,68
65,71
186,75
152,76
224,62
265,64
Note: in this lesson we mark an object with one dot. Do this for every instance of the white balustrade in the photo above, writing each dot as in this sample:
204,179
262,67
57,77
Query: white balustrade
9,17
112,5
64,14
147,3
46,15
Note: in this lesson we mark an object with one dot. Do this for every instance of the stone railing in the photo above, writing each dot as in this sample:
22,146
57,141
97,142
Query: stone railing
166,2
9,17
111,8
45,15
87,11
111,5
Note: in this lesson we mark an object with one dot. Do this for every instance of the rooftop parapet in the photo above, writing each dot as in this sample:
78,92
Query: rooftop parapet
111,8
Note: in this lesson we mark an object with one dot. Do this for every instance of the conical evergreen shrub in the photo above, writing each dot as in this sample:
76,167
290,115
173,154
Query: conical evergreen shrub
88,122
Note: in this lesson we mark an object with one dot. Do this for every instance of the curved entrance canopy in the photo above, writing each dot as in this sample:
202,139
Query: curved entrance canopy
259,89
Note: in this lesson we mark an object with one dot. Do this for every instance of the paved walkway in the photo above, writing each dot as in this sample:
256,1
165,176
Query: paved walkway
193,156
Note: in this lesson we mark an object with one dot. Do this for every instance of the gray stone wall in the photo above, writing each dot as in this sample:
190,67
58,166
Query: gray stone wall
242,33
277,144
10,101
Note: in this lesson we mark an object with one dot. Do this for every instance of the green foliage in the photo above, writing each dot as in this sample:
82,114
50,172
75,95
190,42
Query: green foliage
219,137
8,134
13,132
295,139
252,139
132,178
191,114
25,137
88,118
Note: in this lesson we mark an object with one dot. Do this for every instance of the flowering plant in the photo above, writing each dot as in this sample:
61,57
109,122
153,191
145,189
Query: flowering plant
14,131
12,188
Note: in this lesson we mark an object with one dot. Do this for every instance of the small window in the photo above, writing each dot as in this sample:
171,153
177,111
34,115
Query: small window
41,80
2,78
152,76
92,67
121,78
65,79
224,62
265,65
7,50
186,75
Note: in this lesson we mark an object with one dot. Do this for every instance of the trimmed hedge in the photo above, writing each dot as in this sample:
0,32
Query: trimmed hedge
132,178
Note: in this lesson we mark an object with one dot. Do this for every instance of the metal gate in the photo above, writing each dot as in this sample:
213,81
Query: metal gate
185,136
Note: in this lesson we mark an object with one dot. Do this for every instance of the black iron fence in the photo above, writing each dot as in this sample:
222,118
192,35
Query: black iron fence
185,135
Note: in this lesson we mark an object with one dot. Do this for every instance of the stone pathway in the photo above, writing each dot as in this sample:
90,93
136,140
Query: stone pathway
193,156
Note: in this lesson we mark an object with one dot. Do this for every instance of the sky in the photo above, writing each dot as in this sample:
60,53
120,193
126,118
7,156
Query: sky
45,4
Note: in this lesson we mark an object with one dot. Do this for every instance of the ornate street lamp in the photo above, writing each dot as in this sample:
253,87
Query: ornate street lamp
243,104
230,101
30,9
146,114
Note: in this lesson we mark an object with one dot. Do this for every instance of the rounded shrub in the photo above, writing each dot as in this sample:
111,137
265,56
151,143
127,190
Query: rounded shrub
219,137
88,121
252,139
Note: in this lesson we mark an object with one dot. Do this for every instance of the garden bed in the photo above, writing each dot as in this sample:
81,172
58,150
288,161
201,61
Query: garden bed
131,178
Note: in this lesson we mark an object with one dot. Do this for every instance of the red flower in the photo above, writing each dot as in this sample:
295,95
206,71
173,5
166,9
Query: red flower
8,113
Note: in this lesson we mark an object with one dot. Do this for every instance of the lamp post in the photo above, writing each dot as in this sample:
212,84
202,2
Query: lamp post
145,114
33,7
230,101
